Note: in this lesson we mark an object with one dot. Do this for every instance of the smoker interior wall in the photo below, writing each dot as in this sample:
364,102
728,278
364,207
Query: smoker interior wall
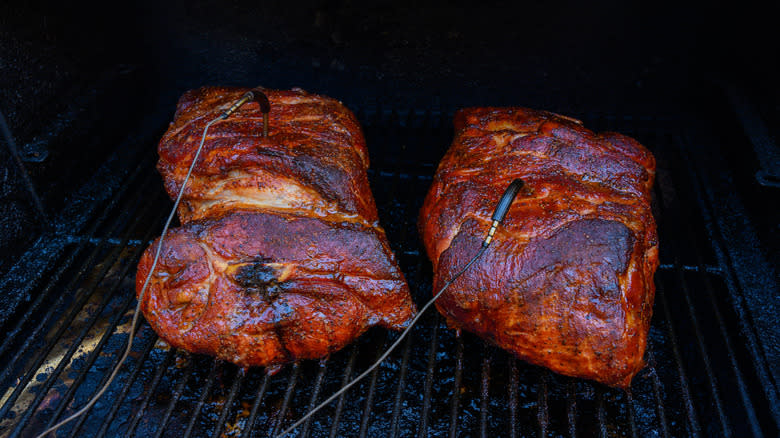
75,81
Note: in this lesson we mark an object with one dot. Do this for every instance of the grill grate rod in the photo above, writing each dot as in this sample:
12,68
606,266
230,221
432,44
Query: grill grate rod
340,405
513,401
684,385
399,392
215,364
750,410
250,422
571,408
44,352
484,391
426,407
323,365
542,414
11,335
366,417
296,371
169,355
67,291
455,401
99,347
226,407
177,392
601,413
657,390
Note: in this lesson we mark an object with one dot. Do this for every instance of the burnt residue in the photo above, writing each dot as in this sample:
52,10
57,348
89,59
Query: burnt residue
257,277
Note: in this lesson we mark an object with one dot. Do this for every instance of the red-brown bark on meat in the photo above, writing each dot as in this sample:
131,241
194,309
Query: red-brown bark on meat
280,256
568,280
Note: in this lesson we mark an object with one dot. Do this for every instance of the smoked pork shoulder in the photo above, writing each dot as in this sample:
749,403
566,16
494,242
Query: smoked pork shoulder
280,255
567,282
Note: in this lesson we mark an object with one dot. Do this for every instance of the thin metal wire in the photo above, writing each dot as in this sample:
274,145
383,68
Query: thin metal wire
109,418
43,322
10,335
389,350
44,352
143,289
158,375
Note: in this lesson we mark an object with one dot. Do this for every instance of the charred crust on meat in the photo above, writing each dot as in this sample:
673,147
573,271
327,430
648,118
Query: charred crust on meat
257,277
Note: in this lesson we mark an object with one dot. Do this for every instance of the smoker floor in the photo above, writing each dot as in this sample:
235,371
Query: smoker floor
700,378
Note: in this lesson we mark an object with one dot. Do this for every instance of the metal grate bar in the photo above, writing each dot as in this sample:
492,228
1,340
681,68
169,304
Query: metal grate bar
90,361
513,400
455,401
99,347
631,420
366,417
571,408
484,391
77,341
250,423
684,386
11,335
115,407
542,413
426,407
32,336
296,370
177,392
161,369
215,364
657,390
725,429
340,405
676,219
226,407
724,334
738,303
602,414
399,392
317,387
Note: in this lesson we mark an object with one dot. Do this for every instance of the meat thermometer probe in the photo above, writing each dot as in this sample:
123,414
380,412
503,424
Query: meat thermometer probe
254,95
499,214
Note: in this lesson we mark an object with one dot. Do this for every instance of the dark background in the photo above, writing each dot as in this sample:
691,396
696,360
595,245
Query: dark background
84,87
74,79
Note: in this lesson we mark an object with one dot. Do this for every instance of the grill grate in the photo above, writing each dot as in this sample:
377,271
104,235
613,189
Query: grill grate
700,379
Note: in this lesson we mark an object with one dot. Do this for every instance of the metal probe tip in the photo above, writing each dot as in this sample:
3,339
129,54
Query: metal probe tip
255,95
499,214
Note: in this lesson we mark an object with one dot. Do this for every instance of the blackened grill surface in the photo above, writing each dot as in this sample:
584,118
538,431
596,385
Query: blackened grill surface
704,376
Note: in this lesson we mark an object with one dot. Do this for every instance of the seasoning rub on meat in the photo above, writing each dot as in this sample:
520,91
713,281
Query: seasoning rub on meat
568,281
280,256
